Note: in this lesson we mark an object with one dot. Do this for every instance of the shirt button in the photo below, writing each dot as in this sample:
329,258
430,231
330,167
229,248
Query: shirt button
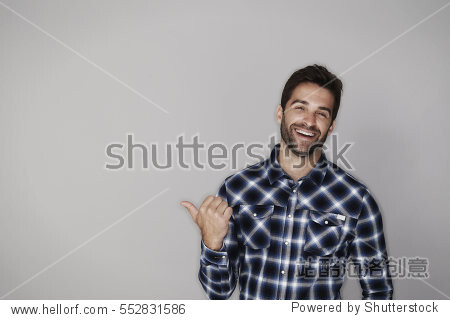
282,271
286,242
254,214
224,257
326,221
290,216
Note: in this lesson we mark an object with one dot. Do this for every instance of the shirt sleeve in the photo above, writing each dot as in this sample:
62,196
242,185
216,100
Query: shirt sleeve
219,269
369,254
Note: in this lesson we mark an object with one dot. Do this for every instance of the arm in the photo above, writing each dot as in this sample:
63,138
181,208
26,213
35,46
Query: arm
219,269
369,254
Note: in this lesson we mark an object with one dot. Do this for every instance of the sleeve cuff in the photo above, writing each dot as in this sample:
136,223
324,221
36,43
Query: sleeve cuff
214,257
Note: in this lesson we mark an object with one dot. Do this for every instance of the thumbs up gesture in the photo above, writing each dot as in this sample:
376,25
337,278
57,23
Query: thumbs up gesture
212,218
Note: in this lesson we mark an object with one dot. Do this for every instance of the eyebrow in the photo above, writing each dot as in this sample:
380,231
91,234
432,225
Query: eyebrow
307,103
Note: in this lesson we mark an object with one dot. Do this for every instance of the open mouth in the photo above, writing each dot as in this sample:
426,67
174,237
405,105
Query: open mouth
305,134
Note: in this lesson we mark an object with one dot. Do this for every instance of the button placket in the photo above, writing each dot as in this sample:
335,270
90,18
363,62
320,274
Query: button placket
287,236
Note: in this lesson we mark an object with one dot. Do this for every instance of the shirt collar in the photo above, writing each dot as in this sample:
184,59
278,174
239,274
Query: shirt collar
275,171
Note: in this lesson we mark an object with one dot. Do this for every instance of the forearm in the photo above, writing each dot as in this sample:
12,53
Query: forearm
375,279
217,275
369,253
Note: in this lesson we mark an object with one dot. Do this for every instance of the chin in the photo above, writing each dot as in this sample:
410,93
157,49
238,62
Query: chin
305,150
300,151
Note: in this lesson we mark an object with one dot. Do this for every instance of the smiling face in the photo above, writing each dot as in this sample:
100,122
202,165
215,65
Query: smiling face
306,120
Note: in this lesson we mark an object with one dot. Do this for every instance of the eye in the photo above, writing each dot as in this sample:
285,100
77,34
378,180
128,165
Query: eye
299,107
323,115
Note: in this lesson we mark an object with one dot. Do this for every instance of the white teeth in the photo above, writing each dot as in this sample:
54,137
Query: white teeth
305,133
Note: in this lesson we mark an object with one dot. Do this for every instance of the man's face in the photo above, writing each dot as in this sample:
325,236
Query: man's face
306,119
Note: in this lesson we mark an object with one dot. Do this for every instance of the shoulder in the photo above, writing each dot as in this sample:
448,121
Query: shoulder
337,173
238,184
347,187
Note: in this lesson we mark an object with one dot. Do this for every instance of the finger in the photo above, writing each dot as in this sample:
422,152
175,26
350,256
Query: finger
206,202
191,208
221,208
215,203
228,213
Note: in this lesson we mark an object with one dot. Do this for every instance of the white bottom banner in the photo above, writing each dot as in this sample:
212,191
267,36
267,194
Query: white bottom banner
216,310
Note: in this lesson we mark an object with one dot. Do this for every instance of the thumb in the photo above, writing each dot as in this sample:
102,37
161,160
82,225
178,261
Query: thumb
191,208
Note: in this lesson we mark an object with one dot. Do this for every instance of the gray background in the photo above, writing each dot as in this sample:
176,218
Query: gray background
218,68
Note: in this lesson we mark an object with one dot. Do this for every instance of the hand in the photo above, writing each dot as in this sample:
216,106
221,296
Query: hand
212,218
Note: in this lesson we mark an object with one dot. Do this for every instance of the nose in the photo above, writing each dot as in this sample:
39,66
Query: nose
309,119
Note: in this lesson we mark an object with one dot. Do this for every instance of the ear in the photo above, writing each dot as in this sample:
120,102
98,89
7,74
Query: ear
279,113
333,124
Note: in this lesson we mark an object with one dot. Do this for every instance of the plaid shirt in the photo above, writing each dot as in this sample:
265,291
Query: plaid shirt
291,240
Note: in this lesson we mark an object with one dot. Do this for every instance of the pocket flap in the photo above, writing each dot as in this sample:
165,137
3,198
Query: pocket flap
257,211
327,218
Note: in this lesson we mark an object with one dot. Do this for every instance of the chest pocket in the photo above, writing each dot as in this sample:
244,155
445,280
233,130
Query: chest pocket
324,232
254,222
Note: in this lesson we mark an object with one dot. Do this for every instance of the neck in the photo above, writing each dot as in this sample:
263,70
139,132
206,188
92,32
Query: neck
297,166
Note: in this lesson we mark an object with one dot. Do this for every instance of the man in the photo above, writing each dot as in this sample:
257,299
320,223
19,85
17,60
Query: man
285,227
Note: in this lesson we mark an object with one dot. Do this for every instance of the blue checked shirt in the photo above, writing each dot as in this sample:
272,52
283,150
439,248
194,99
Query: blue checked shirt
291,240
